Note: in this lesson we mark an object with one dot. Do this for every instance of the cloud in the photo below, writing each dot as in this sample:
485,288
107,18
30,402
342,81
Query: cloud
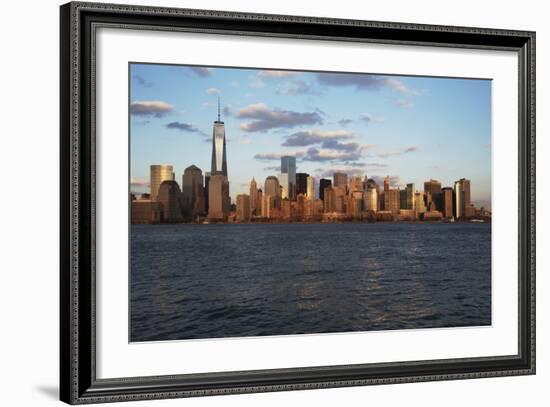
245,140
265,118
203,72
344,122
185,127
336,145
400,151
323,155
274,168
227,110
140,80
369,118
309,137
362,81
268,73
213,91
152,108
136,182
297,87
404,103
276,156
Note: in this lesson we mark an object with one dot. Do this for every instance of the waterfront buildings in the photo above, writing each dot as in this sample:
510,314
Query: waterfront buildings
158,174
146,211
290,196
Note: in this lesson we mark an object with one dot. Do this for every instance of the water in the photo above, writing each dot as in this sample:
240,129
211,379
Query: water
212,281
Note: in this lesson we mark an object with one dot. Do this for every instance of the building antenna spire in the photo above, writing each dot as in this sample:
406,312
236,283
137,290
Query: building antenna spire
218,108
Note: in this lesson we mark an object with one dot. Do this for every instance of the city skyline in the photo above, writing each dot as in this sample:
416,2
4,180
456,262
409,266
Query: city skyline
323,141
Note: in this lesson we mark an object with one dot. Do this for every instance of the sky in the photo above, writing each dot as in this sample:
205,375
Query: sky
409,128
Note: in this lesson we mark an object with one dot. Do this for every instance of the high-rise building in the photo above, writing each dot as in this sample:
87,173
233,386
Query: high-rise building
272,187
169,195
329,199
462,198
207,175
254,201
323,183
340,201
447,198
219,201
284,183
268,205
310,190
432,189
158,174
193,191
356,184
387,182
410,192
392,200
301,183
288,166
458,201
243,208
340,179
219,154
370,199
419,206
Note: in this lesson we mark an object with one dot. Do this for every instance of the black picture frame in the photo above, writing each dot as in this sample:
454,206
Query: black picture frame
78,382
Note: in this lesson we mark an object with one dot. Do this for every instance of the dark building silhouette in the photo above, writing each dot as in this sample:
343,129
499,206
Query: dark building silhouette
301,183
169,196
323,183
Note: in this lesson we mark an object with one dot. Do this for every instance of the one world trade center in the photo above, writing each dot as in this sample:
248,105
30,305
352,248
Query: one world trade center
219,158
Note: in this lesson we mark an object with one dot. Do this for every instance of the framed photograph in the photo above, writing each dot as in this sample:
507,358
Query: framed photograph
255,203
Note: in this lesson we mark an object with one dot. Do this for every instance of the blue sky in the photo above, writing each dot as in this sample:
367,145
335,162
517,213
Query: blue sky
409,128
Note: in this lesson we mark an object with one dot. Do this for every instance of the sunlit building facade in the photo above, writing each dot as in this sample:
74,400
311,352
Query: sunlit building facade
158,174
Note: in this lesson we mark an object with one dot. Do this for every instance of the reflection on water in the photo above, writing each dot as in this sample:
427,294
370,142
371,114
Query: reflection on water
212,281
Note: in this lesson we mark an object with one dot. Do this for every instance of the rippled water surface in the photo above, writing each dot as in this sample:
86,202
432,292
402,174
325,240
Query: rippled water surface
211,281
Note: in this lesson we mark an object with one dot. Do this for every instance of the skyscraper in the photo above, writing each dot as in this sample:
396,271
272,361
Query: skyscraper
301,183
272,187
387,182
310,190
219,155
243,208
218,197
458,201
288,167
432,188
193,191
169,195
254,198
323,183
462,198
340,179
447,195
410,191
158,174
